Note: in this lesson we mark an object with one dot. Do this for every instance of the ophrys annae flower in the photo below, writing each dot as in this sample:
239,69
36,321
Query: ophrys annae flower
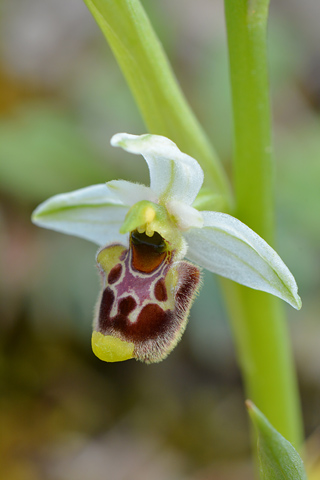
144,234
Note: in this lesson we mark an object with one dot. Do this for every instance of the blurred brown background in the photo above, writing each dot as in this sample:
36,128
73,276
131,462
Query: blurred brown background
64,414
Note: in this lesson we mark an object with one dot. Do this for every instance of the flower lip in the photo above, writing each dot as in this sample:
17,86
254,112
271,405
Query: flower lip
144,309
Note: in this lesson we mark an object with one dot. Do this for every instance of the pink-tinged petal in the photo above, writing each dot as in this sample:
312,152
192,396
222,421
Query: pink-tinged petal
173,175
145,300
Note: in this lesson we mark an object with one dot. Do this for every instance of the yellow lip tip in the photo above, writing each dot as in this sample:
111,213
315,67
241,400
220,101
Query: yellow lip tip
111,349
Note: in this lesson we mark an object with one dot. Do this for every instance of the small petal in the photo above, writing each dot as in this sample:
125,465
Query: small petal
130,193
93,213
228,247
184,215
173,174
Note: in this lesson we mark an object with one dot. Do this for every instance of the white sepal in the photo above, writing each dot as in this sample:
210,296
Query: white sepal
93,213
228,247
173,174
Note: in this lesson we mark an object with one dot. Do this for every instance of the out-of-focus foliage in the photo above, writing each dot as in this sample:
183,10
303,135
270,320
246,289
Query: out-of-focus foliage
42,151
65,415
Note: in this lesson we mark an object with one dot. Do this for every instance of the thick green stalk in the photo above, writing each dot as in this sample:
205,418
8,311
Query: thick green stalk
156,91
258,320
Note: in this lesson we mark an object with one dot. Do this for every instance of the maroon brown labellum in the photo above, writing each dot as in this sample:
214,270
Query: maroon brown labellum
146,295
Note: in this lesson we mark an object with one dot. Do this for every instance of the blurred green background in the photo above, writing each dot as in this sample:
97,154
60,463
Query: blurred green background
64,414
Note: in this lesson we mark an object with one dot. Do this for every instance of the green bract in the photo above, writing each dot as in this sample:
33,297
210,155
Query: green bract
213,240
278,458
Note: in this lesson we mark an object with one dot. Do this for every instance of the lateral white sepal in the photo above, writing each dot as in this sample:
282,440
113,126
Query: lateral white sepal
93,213
229,248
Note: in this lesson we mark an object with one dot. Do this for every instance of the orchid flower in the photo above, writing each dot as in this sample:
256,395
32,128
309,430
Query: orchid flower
144,234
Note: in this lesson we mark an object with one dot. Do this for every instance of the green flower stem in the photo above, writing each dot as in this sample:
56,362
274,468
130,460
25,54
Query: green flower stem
265,358
258,321
155,89
246,28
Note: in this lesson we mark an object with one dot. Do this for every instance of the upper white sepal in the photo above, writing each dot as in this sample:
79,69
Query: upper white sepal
173,174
